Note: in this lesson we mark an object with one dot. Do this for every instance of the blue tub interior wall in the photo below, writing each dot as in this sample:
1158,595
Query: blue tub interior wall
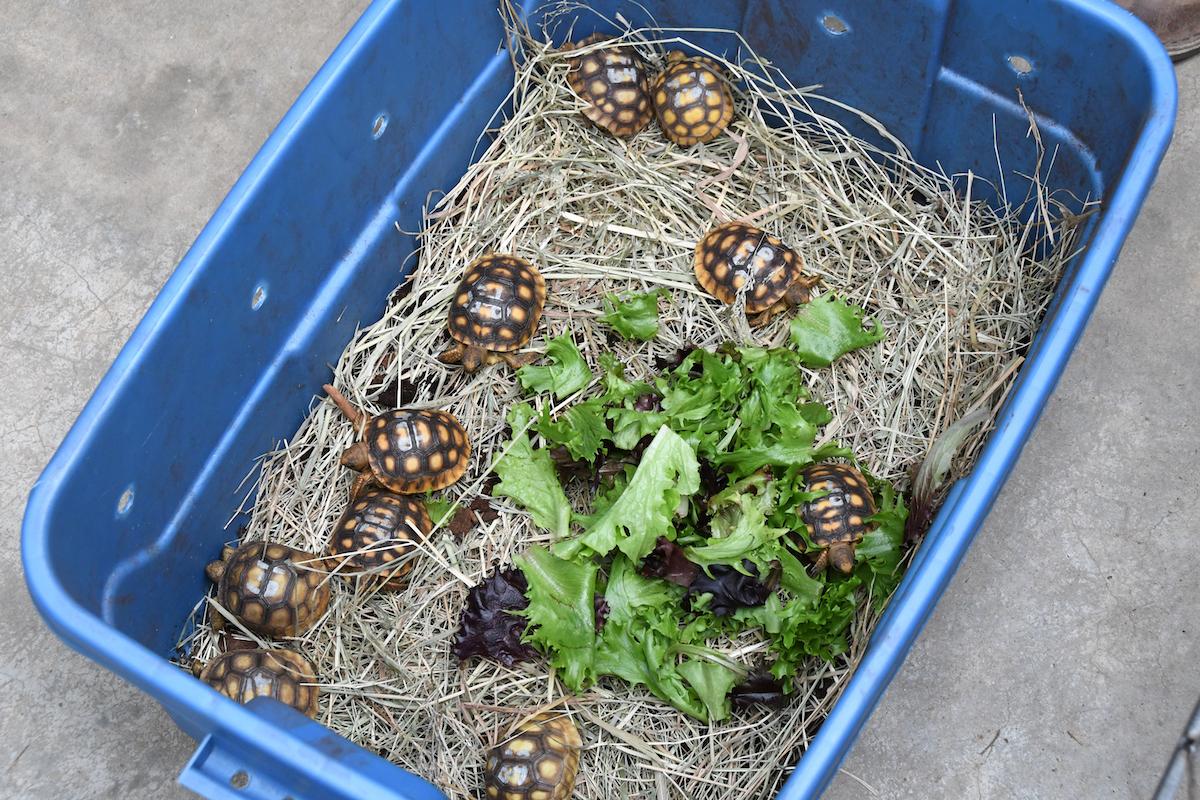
325,247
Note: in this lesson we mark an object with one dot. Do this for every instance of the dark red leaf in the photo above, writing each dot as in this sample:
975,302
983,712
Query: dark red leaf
760,688
668,562
601,611
730,589
673,360
487,628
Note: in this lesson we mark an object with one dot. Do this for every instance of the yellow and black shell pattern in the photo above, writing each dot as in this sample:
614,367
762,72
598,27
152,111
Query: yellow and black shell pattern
275,590
376,536
539,762
243,675
734,254
498,303
614,84
692,100
841,515
411,452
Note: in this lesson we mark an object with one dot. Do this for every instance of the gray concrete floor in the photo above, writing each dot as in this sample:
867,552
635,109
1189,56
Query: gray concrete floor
1062,663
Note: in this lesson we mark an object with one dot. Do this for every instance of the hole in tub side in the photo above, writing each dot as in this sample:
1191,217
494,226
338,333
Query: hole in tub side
1022,65
239,779
125,501
379,125
833,24
258,296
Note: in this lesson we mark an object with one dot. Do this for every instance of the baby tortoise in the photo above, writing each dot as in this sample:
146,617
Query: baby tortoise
614,82
539,762
734,254
273,589
405,451
692,99
495,311
243,675
837,521
374,535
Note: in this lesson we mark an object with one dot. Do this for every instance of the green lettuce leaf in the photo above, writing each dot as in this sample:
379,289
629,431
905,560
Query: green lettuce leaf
440,510
634,318
561,613
881,551
711,682
566,373
580,429
645,510
828,328
527,475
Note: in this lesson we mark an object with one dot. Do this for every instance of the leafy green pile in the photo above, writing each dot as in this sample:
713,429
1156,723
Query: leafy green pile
694,535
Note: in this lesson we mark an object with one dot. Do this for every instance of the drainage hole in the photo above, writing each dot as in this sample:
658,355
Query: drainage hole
1020,65
834,24
259,297
239,779
125,501
379,126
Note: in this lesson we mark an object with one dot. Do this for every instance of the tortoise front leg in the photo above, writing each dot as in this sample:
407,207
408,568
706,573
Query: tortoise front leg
361,482
518,360
452,354
822,562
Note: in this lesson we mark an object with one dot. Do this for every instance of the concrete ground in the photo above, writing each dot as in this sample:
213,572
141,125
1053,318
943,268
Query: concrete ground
1062,663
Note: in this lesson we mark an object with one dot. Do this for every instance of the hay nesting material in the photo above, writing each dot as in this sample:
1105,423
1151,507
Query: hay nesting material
953,283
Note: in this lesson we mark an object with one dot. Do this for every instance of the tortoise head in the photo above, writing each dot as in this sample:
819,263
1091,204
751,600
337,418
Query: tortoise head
215,570
197,667
841,557
473,358
355,457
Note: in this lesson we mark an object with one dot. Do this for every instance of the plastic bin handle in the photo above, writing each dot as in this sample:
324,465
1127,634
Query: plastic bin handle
291,757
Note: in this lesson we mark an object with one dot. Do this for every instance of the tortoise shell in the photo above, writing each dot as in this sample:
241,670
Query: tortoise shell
273,589
410,452
243,675
378,529
614,82
498,303
539,762
734,254
692,100
840,516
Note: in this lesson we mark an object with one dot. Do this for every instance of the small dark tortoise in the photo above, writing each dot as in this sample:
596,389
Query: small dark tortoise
273,589
837,521
376,536
692,99
496,309
538,762
406,451
736,256
242,675
614,84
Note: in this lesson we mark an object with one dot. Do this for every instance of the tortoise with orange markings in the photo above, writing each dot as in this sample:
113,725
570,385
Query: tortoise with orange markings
614,84
692,99
375,534
539,762
737,257
838,520
273,589
242,675
495,311
406,451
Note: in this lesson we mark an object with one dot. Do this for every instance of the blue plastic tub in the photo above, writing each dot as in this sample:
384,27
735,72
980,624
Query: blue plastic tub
228,358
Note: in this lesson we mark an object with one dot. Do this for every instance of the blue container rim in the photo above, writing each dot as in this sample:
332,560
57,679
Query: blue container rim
943,550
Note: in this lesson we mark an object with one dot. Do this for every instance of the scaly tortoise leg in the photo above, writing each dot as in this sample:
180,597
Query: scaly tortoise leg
518,360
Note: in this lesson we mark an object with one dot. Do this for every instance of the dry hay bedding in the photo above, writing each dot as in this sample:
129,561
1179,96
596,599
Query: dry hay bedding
954,285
